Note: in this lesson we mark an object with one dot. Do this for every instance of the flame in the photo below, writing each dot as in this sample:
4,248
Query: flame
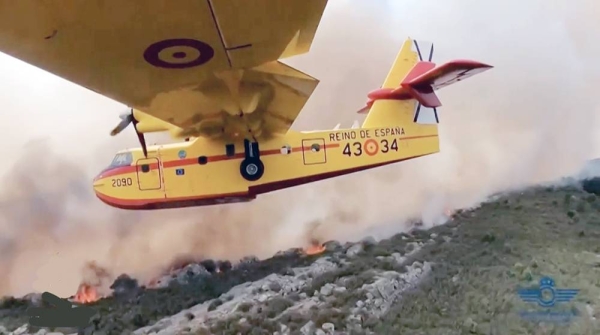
449,212
86,294
314,248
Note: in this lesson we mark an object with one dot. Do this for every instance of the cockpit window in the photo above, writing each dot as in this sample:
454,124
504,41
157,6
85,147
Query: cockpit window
122,159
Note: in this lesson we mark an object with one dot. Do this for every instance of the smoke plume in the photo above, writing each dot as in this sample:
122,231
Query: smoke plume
530,119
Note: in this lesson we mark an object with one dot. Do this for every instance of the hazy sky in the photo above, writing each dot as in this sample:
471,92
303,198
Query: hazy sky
531,118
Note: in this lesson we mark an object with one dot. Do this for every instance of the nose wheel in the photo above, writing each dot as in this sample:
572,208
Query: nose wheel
251,168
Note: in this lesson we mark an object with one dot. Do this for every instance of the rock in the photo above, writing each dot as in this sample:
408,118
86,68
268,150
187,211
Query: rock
354,250
308,328
398,257
332,245
21,330
339,289
320,332
518,267
327,289
328,327
275,286
388,285
470,325
412,246
354,319
360,303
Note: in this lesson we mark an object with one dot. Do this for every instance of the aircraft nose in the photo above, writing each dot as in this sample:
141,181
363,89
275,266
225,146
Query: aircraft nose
98,180
99,185
98,177
99,190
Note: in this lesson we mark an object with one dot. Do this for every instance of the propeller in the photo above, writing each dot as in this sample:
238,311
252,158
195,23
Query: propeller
126,119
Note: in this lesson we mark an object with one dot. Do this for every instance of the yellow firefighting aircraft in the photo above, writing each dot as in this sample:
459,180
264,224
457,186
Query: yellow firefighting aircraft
208,72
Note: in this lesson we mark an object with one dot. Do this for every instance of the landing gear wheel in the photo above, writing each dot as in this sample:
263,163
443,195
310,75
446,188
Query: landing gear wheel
252,169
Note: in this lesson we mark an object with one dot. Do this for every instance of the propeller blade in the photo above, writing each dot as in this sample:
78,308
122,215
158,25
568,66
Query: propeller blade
141,138
126,119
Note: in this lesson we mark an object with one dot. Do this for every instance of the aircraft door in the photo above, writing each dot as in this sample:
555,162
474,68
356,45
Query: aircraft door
314,151
148,174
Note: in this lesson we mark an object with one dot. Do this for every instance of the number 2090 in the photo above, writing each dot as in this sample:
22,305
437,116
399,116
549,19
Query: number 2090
121,182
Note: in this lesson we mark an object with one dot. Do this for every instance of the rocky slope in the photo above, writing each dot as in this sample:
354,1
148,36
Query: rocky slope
458,278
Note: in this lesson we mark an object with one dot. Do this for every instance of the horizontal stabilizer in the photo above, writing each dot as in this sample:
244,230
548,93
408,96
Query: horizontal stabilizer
414,76
424,79
447,74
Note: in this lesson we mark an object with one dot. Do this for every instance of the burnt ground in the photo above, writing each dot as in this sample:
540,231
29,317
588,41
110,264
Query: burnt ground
148,305
478,261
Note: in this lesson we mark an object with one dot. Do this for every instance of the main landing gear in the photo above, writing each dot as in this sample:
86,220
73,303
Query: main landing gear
251,168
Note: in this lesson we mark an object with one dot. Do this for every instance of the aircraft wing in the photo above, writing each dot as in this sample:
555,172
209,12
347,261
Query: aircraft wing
192,63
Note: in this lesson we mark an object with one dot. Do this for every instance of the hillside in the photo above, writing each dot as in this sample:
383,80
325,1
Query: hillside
458,278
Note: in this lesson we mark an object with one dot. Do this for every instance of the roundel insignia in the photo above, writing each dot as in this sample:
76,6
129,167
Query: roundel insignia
182,154
371,147
178,53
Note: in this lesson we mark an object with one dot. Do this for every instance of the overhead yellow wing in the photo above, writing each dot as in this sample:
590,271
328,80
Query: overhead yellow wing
208,67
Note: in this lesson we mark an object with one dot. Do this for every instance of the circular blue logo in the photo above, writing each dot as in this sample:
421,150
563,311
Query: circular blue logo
182,154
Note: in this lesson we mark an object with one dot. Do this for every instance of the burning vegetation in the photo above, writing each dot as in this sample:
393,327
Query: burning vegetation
315,248
96,278
86,294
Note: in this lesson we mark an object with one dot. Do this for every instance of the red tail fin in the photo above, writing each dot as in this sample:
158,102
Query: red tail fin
423,79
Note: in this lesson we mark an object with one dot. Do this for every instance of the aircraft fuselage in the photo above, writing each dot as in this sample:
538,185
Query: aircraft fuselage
203,172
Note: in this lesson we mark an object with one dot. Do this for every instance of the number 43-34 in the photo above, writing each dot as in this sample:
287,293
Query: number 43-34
356,148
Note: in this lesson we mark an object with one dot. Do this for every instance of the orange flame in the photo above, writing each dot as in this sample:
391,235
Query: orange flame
86,294
449,212
314,248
